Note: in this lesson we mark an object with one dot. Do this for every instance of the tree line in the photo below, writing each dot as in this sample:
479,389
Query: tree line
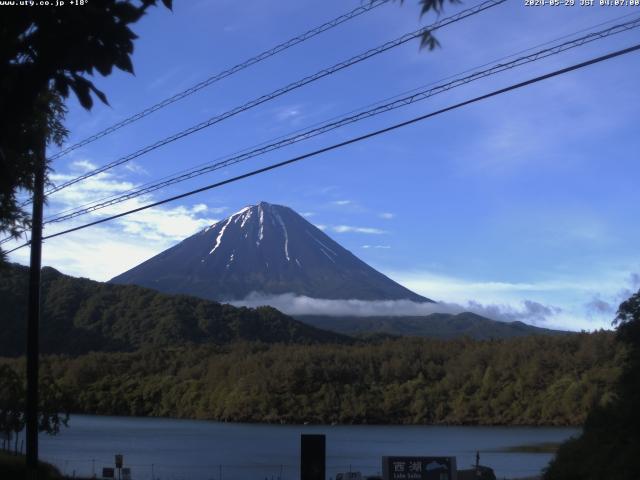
522,381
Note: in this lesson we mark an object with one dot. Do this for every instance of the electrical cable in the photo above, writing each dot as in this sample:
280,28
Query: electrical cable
361,109
329,126
350,141
366,7
281,91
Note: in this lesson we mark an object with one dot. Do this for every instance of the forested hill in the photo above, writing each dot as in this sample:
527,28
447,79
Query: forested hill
436,325
535,380
80,315
178,356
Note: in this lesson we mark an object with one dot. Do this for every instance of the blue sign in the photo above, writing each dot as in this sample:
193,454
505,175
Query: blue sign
419,468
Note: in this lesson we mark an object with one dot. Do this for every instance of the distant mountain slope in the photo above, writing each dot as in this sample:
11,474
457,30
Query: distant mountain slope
80,315
264,248
436,325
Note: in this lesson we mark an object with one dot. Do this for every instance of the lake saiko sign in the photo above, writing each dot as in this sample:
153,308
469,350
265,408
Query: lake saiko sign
419,468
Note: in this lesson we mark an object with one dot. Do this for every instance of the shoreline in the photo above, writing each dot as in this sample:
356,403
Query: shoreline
332,424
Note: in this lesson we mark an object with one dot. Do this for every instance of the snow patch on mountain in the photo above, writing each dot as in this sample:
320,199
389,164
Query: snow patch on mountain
322,245
219,238
246,218
286,236
261,232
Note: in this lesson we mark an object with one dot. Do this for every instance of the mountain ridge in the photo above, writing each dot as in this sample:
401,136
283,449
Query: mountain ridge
443,326
79,315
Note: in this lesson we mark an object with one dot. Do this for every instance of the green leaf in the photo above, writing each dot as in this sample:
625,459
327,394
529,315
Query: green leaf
99,93
123,62
429,41
81,89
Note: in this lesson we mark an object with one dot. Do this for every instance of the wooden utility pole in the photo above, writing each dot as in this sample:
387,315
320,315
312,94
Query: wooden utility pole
33,315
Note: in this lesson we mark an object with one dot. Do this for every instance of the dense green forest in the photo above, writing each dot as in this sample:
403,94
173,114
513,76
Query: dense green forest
80,315
532,381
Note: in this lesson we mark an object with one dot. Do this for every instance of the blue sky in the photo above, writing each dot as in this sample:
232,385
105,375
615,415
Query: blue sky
526,203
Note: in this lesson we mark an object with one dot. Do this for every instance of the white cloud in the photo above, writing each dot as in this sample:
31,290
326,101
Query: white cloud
217,210
527,311
82,165
135,168
460,289
302,305
376,246
342,202
387,215
89,190
352,229
307,214
199,208
164,223
103,251
569,299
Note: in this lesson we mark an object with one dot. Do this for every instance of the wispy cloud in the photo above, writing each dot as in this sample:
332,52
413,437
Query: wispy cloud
387,215
528,311
167,79
290,113
574,302
349,229
597,306
352,229
82,165
133,167
342,202
376,246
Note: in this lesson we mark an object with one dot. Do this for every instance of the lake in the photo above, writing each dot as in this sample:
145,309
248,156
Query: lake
169,449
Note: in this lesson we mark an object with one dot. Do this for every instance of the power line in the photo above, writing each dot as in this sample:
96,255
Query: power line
281,91
346,120
368,6
300,135
151,185
351,141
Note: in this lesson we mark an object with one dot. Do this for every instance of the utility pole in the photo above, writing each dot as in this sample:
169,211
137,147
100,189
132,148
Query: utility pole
33,314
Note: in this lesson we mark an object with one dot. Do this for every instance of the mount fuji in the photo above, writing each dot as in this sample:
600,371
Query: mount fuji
267,249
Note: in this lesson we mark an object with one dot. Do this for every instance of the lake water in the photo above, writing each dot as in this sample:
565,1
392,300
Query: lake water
199,450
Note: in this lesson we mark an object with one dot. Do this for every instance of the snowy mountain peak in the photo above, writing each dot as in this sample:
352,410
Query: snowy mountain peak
264,248
262,213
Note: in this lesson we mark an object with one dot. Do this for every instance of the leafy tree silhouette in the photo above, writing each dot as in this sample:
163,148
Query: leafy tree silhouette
55,403
609,445
44,54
